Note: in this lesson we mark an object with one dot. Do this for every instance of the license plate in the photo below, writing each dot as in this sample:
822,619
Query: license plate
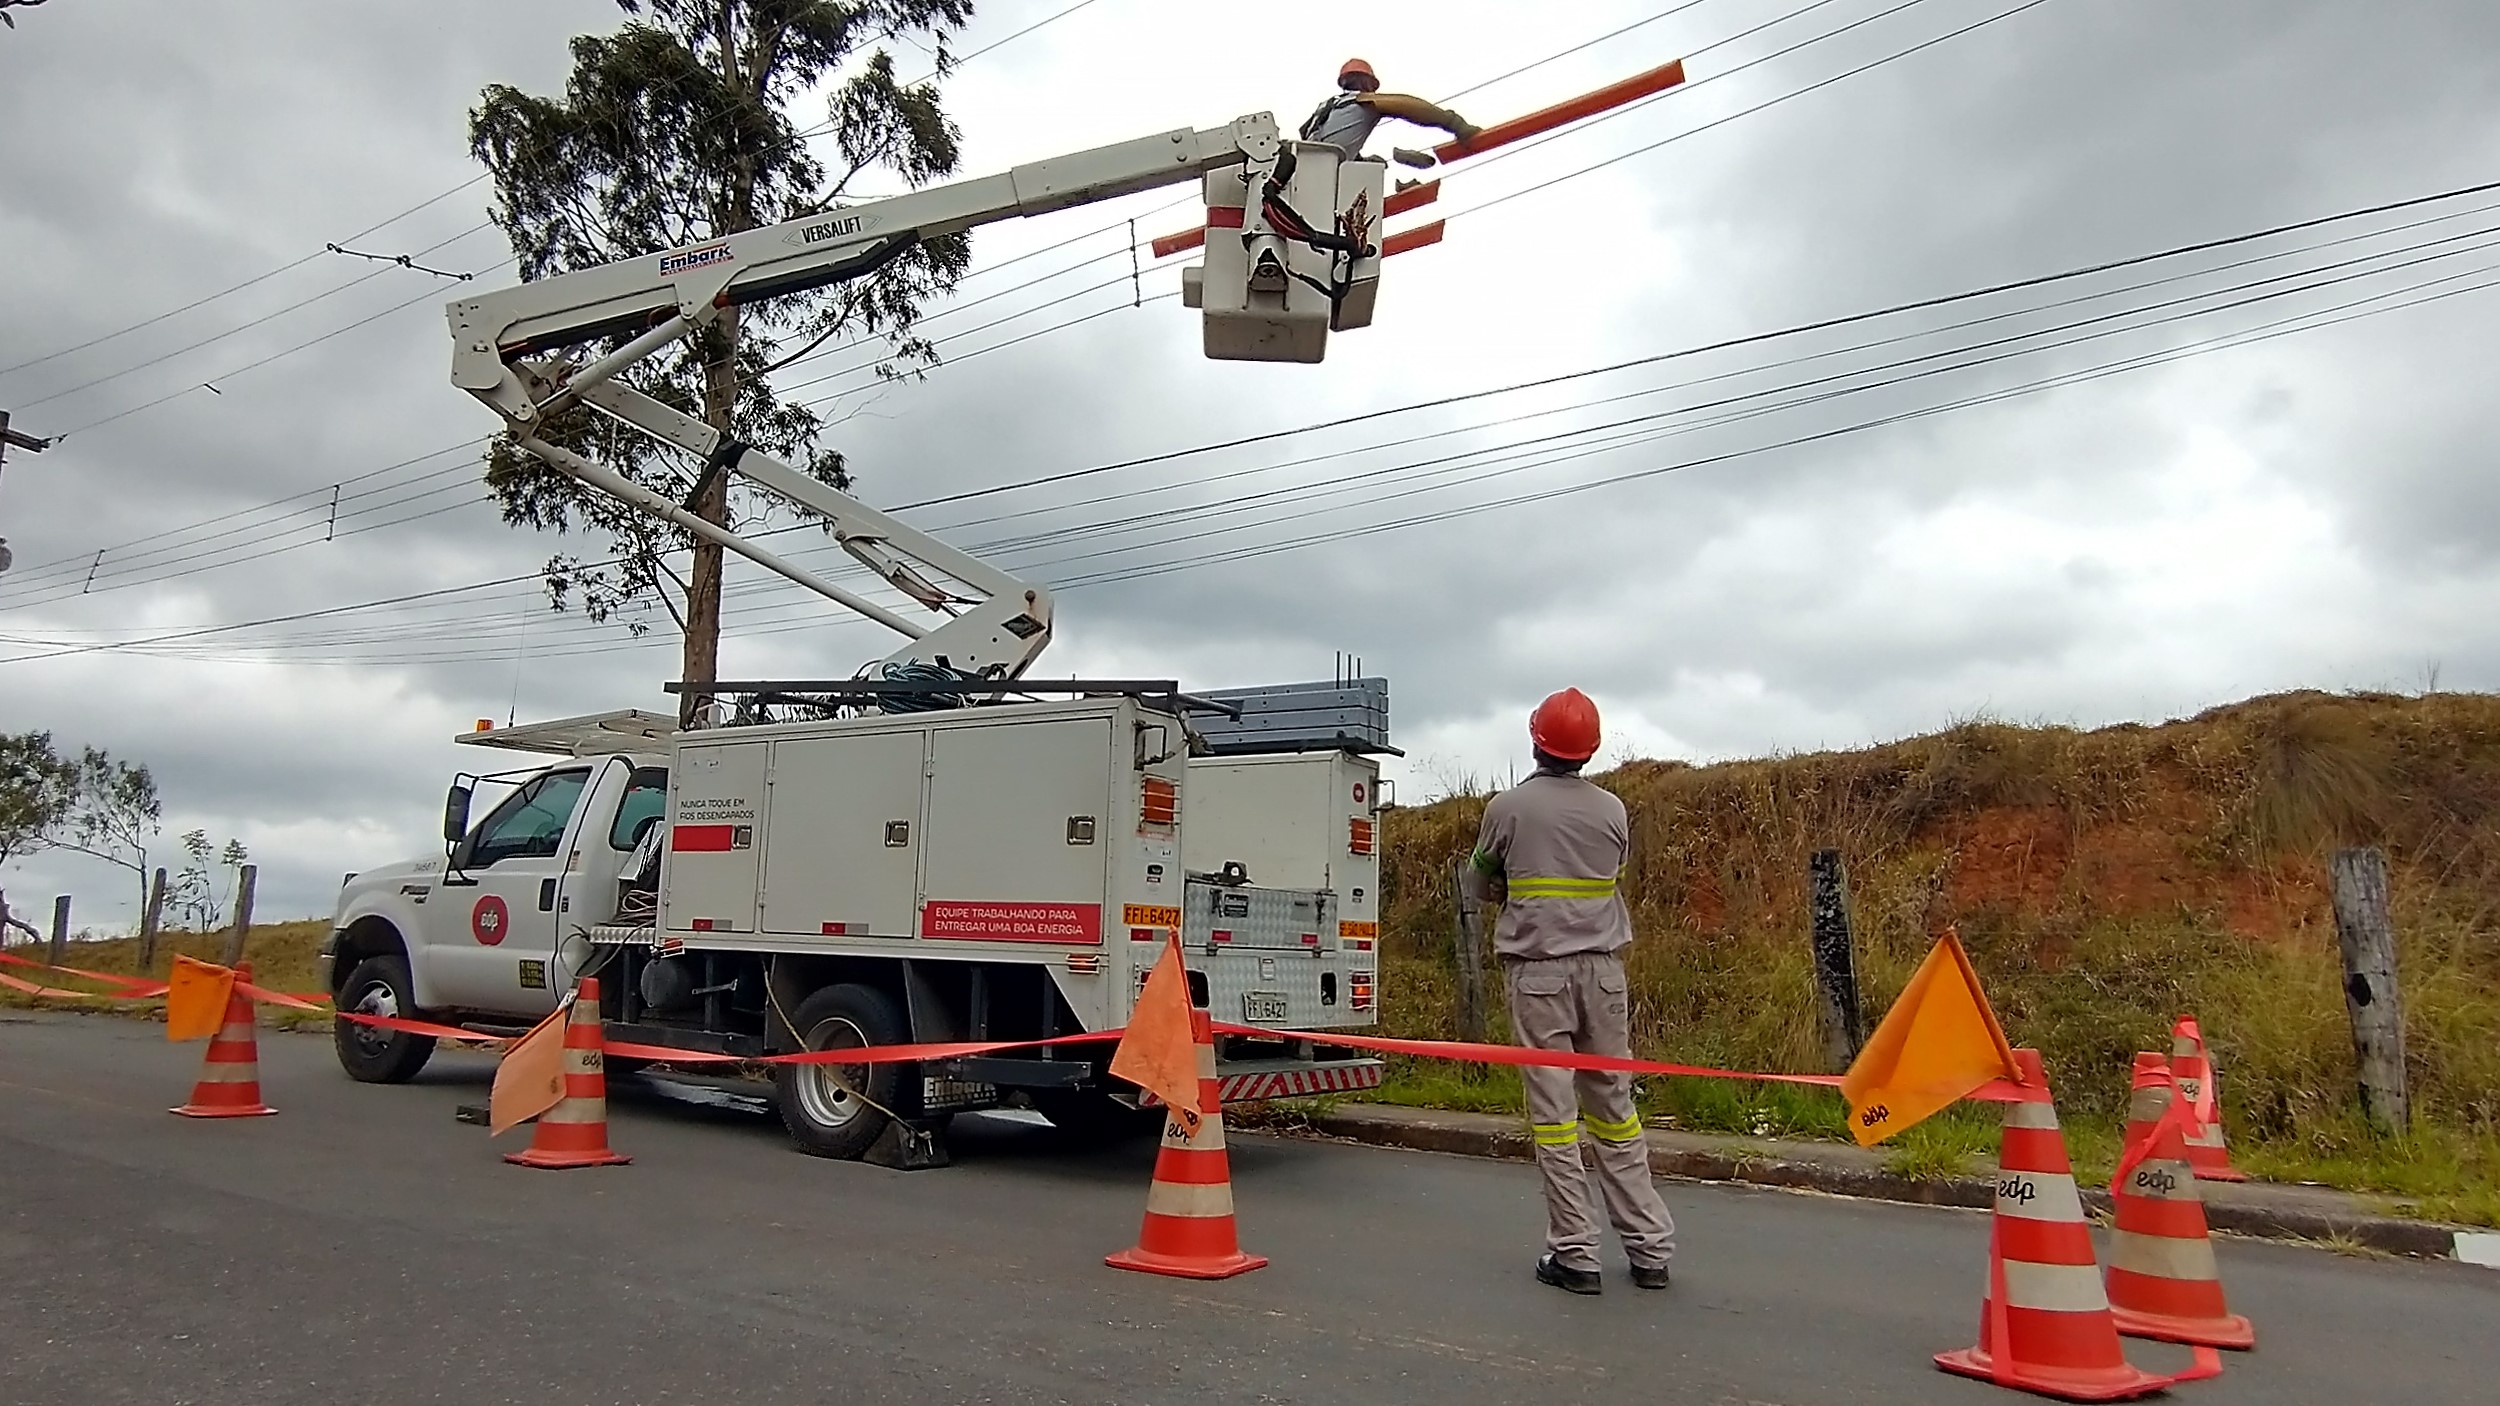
1266,1007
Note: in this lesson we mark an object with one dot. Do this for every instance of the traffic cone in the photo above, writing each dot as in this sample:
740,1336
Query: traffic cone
1189,1229
229,1084
2143,1106
2045,1325
2193,1071
574,1133
2163,1282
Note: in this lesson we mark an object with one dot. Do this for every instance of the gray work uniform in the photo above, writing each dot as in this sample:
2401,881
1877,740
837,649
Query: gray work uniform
1557,844
1344,121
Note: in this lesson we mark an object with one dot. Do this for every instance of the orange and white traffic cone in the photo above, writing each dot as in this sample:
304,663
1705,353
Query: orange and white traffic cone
2193,1071
574,1133
2144,1106
2163,1282
2045,1325
1189,1229
229,1083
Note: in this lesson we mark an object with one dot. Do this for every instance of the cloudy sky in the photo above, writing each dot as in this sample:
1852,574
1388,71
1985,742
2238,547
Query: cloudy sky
2124,496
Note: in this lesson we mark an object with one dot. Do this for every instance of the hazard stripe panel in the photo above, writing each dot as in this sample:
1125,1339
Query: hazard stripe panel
1292,1083
701,839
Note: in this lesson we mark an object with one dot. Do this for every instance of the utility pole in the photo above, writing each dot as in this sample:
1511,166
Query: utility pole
27,442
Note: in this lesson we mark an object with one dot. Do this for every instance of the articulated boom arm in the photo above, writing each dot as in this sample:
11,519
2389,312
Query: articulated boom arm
508,350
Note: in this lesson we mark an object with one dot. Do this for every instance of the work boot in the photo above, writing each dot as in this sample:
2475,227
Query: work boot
1563,1276
1653,1277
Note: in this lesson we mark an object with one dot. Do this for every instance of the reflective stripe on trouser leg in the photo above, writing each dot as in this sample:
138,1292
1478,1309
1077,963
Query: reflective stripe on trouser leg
1633,1205
1545,1020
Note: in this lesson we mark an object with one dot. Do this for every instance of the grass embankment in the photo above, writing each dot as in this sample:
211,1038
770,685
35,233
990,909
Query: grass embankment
2104,882
281,955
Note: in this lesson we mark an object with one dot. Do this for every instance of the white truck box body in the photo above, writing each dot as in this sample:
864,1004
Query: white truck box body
1047,833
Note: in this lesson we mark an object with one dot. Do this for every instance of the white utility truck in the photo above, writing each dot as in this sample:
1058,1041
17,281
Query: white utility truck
935,848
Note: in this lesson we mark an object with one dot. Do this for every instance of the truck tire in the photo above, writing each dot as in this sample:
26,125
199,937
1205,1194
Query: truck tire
1094,1117
822,1117
379,986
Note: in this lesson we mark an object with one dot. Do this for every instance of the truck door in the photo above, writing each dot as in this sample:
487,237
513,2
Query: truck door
492,944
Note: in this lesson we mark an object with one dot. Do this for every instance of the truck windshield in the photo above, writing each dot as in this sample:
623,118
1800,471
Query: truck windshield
530,822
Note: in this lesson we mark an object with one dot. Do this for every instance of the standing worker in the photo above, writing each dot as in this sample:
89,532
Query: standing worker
1552,851
1346,119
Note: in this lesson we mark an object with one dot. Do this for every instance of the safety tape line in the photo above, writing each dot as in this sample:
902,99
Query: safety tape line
1997,1091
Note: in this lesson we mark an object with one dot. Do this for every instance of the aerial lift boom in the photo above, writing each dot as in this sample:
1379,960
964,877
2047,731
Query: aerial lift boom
513,349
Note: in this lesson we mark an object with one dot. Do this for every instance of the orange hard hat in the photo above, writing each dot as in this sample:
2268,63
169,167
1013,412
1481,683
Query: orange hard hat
1565,726
1356,68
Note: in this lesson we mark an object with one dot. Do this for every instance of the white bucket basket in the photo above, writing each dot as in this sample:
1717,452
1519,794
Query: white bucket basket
1267,295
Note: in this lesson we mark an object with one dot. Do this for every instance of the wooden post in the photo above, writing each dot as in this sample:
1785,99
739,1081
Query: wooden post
1470,943
2368,938
148,921
60,930
1835,960
242,930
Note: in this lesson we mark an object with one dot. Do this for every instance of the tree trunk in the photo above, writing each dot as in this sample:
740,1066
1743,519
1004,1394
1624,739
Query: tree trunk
1835,960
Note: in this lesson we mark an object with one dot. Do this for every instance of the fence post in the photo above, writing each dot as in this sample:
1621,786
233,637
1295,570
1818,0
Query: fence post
242,931
1835,960
1470,943
2368,938
60,930
148,922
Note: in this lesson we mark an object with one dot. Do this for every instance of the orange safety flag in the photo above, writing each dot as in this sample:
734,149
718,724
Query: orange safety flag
1937,1043
529,1079
1158,1052
195,999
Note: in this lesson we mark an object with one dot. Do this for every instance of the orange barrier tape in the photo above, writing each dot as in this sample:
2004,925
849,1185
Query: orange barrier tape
1998,1091
136,987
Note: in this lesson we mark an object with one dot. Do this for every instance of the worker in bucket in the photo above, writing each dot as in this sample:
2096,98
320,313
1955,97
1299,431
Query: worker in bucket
1551,852
1346,119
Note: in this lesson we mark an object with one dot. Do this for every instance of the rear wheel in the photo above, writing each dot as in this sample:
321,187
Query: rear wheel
370,1055
822,1104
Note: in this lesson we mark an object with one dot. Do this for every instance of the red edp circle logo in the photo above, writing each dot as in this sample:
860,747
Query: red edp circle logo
490,920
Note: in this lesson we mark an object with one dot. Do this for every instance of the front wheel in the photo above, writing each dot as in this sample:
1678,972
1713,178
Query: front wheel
822,1104
370,1055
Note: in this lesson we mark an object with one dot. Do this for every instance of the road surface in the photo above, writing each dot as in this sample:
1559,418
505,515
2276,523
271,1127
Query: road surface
366,1247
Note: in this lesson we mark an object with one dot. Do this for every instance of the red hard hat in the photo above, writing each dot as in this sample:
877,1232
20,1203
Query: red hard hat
1565,726
1355,68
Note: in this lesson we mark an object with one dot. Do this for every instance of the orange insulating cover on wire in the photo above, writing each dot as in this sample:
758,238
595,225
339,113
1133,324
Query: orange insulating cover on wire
1171,244
1416,238
1399,202
1657,80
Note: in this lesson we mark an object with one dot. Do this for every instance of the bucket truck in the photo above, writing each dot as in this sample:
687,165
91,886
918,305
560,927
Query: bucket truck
935,848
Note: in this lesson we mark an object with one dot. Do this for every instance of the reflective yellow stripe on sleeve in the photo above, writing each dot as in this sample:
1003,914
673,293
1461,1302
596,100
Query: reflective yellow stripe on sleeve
1624,1131
1556,1134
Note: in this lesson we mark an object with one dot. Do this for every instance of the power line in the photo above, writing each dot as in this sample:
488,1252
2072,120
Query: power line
2065,378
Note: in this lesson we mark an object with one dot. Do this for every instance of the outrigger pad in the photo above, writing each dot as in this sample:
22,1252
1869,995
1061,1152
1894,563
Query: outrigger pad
906,1147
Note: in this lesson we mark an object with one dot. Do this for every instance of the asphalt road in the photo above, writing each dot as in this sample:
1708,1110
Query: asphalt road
365,1247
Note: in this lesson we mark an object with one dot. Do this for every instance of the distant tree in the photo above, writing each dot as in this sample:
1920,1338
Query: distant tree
115,816
199,894
38,787
672,131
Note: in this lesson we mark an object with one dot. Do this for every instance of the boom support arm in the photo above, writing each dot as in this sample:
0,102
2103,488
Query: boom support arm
501,342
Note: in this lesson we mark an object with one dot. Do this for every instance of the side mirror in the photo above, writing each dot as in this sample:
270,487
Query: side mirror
456,814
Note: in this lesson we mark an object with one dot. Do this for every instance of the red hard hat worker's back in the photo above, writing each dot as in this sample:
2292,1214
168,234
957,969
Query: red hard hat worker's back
1356,68
1565,726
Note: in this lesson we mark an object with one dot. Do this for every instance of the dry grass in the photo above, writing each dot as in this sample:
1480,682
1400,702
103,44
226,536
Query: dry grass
2104,881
